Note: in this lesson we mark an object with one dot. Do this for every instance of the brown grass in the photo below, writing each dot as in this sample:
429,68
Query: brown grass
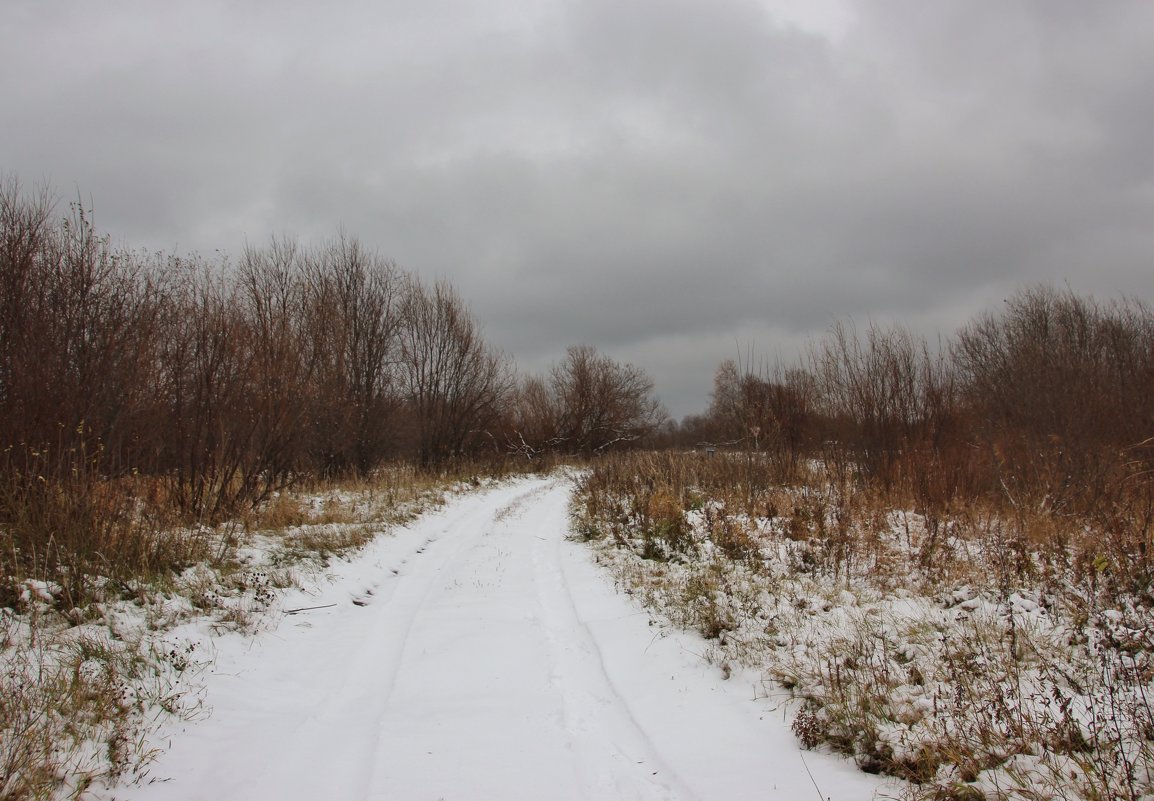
73,710
1013,704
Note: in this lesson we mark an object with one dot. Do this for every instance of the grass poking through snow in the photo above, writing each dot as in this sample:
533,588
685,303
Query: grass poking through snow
977,654
87,666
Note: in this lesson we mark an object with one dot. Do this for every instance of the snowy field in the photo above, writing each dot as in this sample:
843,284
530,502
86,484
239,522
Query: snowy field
479,654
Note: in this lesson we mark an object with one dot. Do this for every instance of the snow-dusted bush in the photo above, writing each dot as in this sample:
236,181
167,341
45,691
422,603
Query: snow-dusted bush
962,653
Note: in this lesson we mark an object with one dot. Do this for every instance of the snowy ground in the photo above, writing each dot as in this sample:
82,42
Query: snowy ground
479,654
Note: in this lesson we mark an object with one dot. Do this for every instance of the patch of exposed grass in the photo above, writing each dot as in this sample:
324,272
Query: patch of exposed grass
970,651
77,703
86,668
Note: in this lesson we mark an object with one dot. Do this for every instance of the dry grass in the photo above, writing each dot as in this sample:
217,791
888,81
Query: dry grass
979,648
79,692
68,526
77,705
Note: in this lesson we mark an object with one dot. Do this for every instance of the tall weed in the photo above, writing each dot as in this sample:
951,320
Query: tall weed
981,646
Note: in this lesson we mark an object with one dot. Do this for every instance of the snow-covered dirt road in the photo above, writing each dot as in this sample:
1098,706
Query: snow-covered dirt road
478,654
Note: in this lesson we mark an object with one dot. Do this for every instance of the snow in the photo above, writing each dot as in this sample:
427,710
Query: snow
478,653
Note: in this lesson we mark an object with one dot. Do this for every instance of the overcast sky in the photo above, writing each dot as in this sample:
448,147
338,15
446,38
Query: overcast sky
671,181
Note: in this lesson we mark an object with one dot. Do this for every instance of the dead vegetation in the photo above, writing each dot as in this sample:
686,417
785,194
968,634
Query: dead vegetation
86,671
967,658
159,414
945,551
944,556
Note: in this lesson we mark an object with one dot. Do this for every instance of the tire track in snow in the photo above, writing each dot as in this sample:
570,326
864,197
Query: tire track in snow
499,664
327,738
380,665
615,757
531,713
472,714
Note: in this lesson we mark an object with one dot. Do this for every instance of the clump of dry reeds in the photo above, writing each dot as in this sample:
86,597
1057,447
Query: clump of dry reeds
946,554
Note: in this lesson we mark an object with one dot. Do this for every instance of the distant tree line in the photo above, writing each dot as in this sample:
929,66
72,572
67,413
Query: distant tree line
1047,401
218,382
224,381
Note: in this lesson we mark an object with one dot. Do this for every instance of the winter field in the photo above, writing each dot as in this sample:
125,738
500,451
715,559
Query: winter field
476,653
252,545
972,655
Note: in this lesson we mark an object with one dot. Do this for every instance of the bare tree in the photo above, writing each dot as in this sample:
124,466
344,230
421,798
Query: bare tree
1057,385
353,320
770,414
271,293
602,403
201,383
77,332
726,409
534,418
455,384
882,394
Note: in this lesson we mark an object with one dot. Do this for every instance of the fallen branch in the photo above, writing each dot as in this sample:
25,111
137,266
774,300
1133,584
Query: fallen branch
307,609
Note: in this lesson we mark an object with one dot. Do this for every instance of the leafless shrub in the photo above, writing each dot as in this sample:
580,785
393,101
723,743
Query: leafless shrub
588,405
354,322
600,402
882,396
1022,672
455,384
533,428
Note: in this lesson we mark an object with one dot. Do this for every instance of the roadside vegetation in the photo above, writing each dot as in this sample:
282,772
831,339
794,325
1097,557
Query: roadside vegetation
180,437
90,669
943,553
944,557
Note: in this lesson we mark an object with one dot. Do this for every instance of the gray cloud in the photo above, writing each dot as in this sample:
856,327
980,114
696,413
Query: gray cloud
669,181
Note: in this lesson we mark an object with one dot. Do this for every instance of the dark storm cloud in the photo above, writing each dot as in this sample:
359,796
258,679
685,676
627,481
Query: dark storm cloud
670,181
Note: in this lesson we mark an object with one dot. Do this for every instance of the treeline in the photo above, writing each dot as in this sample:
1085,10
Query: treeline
131,380
203,386
1043,407
1055,389
1005,477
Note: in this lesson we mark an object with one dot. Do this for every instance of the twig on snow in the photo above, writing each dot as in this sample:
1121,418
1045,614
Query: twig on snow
811,778
306,609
